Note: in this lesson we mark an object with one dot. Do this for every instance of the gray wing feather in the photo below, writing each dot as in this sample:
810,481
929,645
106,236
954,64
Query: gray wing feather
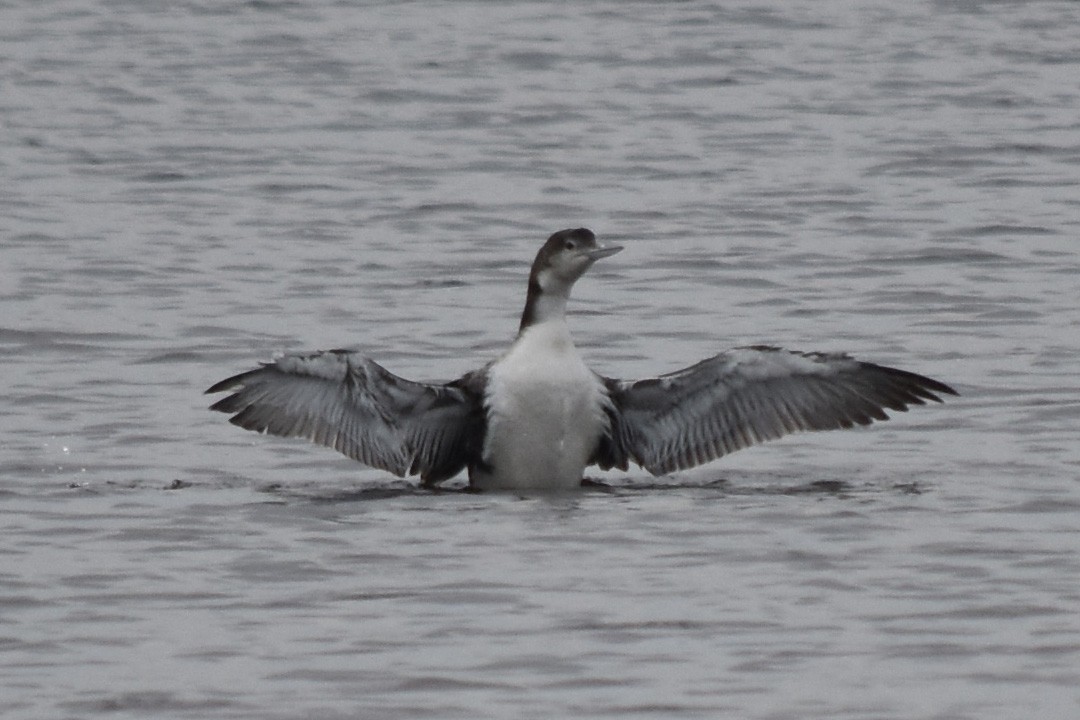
348,402
748,396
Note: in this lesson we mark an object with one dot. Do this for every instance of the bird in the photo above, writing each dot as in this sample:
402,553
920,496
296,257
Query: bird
537,416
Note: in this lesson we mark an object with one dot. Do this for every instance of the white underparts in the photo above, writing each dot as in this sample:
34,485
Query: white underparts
545,413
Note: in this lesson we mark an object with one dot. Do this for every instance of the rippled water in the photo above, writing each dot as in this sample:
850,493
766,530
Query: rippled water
190,187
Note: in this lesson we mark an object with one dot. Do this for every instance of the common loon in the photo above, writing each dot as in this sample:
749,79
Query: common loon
536,417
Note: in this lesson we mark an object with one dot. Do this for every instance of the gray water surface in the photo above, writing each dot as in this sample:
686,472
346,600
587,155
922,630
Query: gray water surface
191,187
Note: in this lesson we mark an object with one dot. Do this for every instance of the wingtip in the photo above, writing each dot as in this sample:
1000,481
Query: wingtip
229,383
224,405
932,386
923,386
216,388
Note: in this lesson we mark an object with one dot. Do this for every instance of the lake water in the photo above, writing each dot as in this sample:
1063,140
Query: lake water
190,187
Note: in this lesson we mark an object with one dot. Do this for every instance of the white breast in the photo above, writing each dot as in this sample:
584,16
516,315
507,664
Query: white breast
545,414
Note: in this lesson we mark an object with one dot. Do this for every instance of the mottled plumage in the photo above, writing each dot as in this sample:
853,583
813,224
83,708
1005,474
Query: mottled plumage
537,416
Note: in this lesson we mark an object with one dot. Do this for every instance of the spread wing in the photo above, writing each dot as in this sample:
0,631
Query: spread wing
747,396
345,401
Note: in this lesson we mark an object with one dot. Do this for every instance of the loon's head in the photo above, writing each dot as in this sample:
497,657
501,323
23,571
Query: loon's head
565,257
561,261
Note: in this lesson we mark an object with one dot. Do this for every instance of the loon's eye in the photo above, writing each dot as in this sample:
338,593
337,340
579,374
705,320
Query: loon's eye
569,244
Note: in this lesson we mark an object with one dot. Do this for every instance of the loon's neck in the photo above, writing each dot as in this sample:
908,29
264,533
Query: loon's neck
545,303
